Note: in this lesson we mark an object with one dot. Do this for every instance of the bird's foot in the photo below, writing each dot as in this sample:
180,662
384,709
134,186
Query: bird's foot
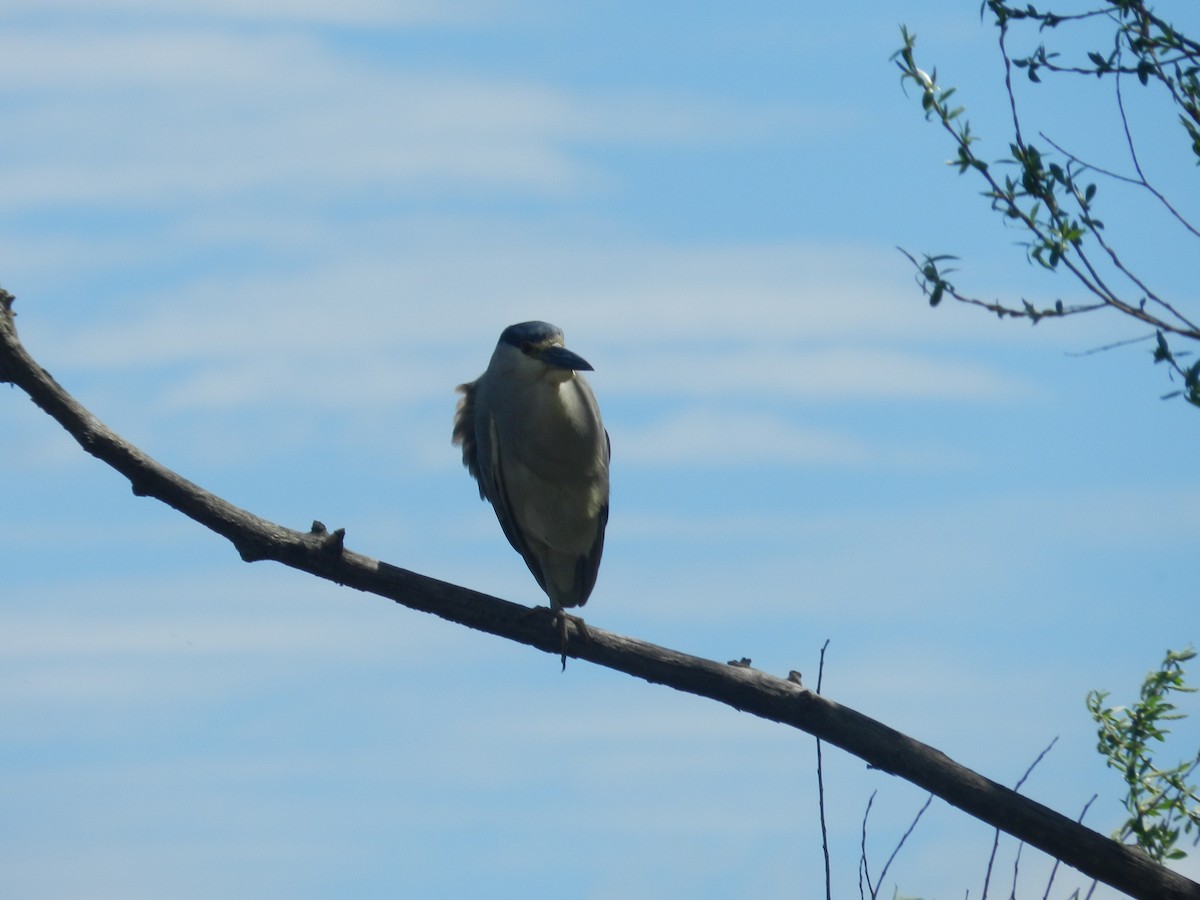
580,627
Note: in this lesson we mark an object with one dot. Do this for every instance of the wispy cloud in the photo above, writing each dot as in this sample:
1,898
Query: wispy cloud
710,437
865,372
143,119
412,288
278,12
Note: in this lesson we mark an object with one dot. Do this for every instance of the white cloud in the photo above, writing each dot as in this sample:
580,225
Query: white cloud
144,119
212,632
278,12
282,129
864,372
387,284
710,437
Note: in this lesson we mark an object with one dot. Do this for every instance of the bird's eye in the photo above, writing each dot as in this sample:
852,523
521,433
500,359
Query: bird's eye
526,346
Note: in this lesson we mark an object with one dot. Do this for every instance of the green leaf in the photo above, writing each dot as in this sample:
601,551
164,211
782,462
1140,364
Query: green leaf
1162,352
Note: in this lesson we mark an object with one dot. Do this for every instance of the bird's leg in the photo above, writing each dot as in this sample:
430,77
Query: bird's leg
562,630
562,617
580,626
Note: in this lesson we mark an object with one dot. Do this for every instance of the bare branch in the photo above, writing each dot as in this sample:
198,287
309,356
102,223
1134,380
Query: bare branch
321,553
1137,164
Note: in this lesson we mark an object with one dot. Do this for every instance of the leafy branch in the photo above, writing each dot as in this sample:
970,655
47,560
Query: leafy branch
1162,804
1051,194
1160,53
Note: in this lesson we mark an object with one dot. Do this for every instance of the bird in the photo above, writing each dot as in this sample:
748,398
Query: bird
532,437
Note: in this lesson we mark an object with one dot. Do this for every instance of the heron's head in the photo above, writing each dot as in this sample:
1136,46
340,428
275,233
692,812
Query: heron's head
538,346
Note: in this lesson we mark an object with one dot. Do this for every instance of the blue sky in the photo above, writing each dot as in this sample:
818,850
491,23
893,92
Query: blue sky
265,240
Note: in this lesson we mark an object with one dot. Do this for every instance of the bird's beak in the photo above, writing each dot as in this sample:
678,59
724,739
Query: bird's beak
562,358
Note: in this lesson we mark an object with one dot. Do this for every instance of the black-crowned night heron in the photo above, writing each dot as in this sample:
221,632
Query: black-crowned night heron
532,437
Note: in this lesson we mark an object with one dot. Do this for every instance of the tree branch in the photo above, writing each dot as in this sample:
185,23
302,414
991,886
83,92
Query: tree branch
322,553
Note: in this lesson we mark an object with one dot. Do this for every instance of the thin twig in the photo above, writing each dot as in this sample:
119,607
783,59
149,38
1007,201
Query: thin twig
1008,86
863,870
1137,164
821,789
1033,765
1113,346
987,875
904,837
1012,894
1091,167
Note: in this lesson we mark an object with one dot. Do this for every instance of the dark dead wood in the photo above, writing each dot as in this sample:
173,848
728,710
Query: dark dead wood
322,553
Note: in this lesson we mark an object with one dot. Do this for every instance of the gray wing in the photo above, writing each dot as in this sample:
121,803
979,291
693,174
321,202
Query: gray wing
492,485
589,566
481,456
464,432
